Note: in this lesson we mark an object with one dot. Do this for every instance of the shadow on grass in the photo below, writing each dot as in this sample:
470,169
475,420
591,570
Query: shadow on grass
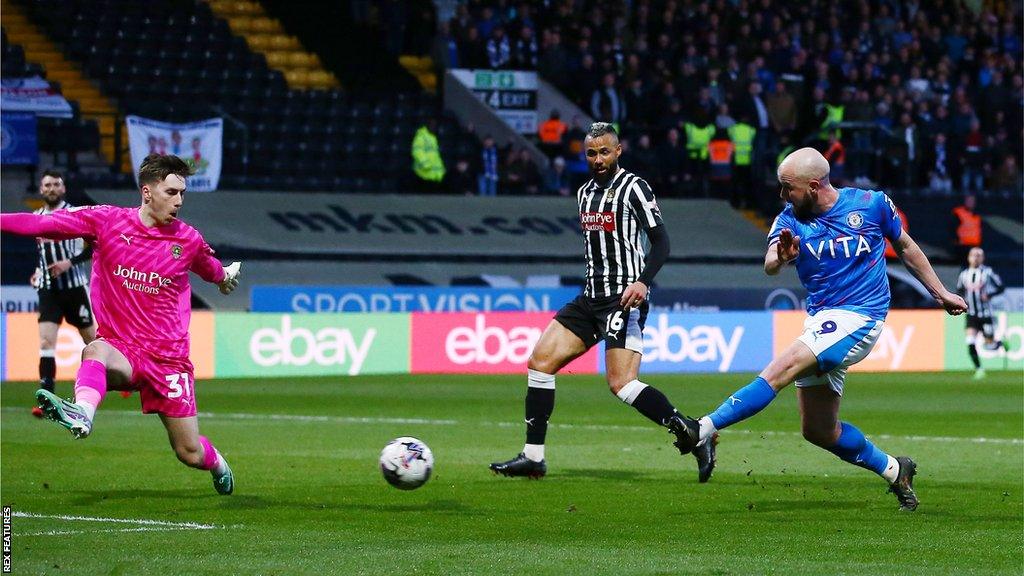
442,506
596,474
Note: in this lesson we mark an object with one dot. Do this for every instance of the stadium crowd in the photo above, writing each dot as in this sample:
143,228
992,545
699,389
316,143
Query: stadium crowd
928,93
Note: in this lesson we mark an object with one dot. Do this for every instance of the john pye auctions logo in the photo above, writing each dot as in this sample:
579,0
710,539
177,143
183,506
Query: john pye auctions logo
597,221
140,281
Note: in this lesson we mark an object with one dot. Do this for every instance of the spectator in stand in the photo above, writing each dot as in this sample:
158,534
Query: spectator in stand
781,109
426,158
938,162
472,50
724,120
965,226
905,150
553,63
461,179
974,159
835,153
672,157
445,49
556,179
608,98
552,134
499,53
644,160
576,160
521,173
1007,177
720,156
672,116
488,180
925,59
524,50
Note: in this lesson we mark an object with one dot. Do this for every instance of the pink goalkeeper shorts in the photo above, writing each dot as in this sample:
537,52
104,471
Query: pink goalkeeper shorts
165,384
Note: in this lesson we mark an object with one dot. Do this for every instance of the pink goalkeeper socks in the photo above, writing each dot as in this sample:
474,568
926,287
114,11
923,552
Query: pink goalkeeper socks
210,457
91,384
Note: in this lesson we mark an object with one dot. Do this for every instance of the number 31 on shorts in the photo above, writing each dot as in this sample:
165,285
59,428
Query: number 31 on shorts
178,383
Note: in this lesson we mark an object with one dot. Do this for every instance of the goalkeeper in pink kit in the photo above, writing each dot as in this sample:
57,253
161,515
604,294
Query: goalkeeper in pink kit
142,303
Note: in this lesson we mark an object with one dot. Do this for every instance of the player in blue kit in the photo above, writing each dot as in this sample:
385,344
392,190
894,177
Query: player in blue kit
836,240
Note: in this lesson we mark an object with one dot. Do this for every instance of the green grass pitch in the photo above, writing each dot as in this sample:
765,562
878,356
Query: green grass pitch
618,498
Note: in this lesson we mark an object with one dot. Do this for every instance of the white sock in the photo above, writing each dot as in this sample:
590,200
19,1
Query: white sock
707,429
630,391
89,409
534,452
892,470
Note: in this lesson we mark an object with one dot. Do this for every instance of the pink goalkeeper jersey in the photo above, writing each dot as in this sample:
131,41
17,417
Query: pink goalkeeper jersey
140,284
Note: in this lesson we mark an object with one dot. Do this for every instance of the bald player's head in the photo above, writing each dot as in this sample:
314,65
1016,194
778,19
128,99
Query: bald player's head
805,164
803,177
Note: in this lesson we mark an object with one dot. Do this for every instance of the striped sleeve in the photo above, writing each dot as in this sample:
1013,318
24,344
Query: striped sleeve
643,204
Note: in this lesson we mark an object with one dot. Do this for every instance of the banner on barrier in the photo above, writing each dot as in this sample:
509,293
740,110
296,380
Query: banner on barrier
910,340
34,95
690,300
22,352
711,342
19,142
407,299
483,343
269,345
1007,327
19,298
198,143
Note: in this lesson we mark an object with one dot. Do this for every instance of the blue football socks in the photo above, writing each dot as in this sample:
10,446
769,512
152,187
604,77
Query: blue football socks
854,448
746,402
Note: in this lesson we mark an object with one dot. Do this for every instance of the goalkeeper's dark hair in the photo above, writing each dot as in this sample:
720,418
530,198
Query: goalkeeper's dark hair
598,129
156,167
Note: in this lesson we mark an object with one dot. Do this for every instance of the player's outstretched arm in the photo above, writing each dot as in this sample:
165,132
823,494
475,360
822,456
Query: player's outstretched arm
917,262
25,224
781,252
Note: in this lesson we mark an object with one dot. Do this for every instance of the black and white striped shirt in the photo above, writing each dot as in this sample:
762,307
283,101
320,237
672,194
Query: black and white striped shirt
614,220
972,283
51,251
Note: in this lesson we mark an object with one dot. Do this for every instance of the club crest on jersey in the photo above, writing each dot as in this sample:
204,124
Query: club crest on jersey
176,251
854,219
597,221
609,194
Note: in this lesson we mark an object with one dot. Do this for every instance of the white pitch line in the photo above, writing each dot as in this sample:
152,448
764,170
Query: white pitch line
118,530
598,427
139,521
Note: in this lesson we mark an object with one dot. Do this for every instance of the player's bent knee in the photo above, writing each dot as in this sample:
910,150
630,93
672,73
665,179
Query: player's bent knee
541,364
616,384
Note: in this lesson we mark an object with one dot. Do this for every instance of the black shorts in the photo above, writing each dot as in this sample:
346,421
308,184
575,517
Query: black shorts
982,324
596,319
71,304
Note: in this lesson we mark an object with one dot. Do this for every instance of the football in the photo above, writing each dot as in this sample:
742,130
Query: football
406,463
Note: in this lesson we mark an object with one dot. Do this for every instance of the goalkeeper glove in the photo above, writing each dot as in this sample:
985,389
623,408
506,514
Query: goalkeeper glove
231,274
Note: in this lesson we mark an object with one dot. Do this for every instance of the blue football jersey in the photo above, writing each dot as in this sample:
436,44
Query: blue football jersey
842,252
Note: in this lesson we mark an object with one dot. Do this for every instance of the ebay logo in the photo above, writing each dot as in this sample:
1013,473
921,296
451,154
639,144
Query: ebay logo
498,343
